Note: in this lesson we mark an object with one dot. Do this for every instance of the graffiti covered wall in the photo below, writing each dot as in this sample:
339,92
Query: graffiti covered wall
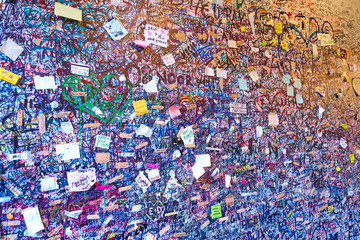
164,119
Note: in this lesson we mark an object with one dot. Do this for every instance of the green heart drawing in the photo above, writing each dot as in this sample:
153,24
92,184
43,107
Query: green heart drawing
105,97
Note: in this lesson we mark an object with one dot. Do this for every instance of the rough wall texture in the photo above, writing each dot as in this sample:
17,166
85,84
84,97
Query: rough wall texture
187,119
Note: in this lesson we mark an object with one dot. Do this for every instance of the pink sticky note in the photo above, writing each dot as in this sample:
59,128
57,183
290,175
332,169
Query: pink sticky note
103,187
140,43
41,120
242,181
174,111
152,165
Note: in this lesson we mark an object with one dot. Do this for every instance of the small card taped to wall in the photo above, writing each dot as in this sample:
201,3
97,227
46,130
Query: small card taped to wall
80,69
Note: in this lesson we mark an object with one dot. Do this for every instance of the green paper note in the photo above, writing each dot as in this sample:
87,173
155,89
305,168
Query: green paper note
216,211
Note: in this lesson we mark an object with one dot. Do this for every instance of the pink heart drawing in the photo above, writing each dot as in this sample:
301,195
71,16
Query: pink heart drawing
162,31
149,33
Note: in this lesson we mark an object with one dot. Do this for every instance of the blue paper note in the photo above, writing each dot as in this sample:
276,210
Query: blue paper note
286,78
243,84
299,99
290,91
297,83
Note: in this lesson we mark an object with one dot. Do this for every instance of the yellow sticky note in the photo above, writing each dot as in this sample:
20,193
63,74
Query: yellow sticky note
285,46
278,28
338,169
68,12
352,158
331,208
9,76
140,107
346,77
242,28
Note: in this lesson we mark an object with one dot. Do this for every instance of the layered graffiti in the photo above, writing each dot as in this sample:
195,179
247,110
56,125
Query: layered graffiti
267,89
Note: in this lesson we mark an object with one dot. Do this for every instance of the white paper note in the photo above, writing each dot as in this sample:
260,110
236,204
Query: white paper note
81,180
156,35
44,82
11,49
142,181
48,184
259,131
252,23
115,29
144,130
204,160
254,76
168,59
151,87
187,136
67,127
221,73
227,181
209,71
80,69
197,170
68,151
73,214
33,220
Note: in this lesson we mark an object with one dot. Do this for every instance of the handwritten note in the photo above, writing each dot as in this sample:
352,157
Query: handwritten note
68,151
168,59
216,211
81,180
278,28
48,184
115,29
80,69
140,107
325,39
142,181
156,35
33,220
102,141
187,135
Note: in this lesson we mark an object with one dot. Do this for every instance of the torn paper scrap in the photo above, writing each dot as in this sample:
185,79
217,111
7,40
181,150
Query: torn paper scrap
197,170
144,130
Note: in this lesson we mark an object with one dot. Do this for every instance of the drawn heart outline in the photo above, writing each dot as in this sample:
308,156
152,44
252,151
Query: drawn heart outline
92,86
